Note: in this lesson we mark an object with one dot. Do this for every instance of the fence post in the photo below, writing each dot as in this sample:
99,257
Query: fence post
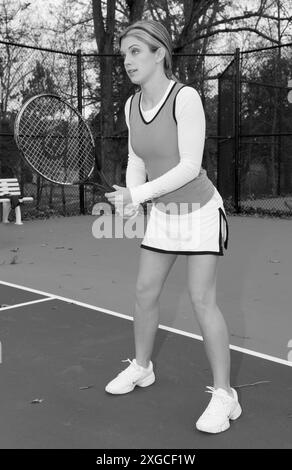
1,75
79,97
218,180
237,93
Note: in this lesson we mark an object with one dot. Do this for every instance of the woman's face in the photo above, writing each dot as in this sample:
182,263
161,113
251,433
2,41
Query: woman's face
140,63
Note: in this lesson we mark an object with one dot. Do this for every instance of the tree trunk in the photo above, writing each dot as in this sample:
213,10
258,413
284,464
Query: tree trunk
104,33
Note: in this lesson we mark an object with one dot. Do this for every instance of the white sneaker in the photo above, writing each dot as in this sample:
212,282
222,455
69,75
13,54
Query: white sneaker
220,410
133,375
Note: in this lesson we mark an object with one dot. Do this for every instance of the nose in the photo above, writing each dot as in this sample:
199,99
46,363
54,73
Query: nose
126,63
126,60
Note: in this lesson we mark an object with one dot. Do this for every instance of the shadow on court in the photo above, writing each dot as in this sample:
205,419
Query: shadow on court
61,355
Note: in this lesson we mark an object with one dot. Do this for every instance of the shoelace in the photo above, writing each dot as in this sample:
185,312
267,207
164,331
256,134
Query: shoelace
215,391
128,360
134,365
127,370
131,364
217,399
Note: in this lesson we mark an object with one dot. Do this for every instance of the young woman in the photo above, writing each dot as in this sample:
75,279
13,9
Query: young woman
166,125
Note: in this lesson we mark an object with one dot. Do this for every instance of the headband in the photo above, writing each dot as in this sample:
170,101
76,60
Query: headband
150,34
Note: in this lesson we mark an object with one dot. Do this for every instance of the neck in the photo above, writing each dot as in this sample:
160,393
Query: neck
154,90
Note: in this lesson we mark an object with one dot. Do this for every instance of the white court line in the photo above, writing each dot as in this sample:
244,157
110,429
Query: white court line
25,303
65,299
235,348
162,327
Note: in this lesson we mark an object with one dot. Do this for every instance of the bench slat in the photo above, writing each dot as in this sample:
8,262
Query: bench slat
8,189
9,180
9,185
23,199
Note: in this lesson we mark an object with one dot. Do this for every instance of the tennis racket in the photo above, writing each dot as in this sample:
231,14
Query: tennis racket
56,142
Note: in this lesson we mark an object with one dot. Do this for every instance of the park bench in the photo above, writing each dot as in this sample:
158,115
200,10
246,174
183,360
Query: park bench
10,187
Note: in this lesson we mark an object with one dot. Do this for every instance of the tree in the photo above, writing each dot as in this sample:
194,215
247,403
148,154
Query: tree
265,109
14,27
197,27
40,82
9,159
104,20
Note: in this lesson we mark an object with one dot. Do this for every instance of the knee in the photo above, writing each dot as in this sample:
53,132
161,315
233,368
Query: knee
201,301
147,292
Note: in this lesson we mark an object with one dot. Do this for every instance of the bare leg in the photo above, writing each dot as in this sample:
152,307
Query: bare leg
153,270
202,273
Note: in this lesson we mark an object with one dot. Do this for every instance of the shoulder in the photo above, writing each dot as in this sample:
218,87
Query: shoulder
186,93
187,101
127,108
129,102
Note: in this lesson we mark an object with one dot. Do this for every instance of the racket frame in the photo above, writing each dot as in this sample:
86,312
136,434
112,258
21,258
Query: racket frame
104,188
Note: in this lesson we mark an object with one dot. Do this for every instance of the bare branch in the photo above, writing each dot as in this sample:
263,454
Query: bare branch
241,17
227,30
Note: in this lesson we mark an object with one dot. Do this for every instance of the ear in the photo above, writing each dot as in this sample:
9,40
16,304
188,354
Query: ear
160,54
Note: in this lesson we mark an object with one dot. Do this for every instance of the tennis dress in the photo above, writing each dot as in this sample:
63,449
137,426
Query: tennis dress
166,145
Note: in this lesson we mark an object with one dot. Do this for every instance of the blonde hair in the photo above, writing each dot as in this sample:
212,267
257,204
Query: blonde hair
155,35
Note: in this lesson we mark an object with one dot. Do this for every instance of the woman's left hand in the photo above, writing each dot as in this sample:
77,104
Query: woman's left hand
121,196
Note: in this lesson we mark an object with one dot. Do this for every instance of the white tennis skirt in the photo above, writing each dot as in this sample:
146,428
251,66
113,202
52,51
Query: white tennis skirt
203,231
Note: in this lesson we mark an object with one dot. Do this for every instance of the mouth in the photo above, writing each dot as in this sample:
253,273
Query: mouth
131,71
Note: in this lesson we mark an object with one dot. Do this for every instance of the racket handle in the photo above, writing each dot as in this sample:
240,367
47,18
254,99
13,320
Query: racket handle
106,188
102,187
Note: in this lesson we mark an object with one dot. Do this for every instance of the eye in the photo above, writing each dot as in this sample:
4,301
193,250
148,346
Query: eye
133,51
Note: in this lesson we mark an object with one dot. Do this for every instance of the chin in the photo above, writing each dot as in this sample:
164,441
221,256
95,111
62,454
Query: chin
135,81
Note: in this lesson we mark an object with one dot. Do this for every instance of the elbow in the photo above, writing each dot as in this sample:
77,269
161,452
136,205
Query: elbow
192,170
196,173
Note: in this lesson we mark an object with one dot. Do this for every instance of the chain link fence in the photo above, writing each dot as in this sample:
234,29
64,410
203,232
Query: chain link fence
107,119
266,131
25,72
248,143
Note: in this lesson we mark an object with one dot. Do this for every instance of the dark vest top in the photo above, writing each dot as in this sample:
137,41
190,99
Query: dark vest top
156,142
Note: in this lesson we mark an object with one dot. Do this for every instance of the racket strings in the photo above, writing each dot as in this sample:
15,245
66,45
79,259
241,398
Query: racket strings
56,141
35,131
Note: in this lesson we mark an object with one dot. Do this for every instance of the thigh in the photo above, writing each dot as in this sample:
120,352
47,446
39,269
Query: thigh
153,269
202,274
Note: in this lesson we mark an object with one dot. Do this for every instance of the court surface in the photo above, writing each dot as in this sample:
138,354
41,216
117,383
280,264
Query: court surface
66,314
